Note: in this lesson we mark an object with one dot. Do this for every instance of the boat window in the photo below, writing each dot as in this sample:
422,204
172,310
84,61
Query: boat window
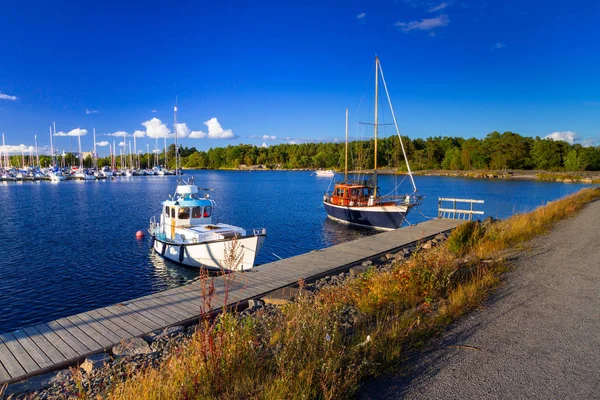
183,213
196,212
207,211
173,212
167,211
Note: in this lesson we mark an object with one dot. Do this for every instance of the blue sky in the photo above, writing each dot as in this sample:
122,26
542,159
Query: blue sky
276,72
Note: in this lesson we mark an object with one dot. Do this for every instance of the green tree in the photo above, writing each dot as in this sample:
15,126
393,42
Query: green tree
573,161
546,154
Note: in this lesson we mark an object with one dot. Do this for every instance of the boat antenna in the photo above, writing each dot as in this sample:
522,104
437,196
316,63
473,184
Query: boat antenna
346,156
377,67
397,131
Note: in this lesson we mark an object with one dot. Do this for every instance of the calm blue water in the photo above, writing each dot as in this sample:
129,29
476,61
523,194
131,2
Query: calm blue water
71,246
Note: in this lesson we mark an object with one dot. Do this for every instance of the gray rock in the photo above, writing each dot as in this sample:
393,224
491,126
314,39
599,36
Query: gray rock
400,256
367,263
359,269
389,256
39,382
164,333
426,245
130,347
94,362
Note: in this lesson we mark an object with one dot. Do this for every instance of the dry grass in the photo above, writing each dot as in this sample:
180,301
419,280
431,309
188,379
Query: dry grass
310,352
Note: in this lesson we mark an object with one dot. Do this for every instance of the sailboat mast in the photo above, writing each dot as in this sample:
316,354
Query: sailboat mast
80,155
176,144
376,121
52,146
346,154
166,165
95,154
37,154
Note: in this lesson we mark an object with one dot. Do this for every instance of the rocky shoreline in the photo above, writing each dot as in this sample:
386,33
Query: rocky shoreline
98,373
564,177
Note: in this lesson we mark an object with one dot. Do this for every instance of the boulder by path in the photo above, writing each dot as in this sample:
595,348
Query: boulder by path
538,336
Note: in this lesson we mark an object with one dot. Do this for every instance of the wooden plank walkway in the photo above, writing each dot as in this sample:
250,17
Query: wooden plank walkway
68,341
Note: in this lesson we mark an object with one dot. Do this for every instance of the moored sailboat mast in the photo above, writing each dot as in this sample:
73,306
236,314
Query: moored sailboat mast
375,128
346,155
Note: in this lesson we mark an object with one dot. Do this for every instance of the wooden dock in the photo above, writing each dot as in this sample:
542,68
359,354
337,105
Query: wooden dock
68,341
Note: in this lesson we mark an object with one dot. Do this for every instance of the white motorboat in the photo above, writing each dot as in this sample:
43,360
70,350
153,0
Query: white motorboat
185,233
325,172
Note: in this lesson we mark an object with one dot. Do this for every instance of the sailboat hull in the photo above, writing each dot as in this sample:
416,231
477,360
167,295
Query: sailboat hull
381,217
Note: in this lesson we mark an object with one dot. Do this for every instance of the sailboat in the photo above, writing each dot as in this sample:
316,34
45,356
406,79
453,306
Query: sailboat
185,233
359,202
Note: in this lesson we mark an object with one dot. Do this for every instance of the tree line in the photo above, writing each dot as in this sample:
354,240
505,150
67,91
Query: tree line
496,151
506,150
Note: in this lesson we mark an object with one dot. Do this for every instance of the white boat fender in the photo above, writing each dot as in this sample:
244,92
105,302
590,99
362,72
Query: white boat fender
181,253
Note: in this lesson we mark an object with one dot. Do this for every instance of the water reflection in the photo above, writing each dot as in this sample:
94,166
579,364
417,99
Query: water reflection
336,232
170,275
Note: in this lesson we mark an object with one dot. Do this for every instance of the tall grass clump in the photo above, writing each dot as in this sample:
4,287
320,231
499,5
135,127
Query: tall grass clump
321,345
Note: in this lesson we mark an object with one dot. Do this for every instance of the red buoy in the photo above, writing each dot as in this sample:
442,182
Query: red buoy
139,234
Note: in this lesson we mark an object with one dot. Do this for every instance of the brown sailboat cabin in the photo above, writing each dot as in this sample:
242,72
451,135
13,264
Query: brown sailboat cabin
351,194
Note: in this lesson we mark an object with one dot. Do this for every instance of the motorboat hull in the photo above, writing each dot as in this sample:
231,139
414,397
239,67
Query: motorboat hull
211,255
378,216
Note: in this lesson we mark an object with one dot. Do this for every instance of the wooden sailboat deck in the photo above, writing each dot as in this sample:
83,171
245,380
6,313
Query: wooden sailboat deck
68,341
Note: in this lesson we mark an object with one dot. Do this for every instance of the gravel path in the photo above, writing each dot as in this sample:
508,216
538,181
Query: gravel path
537,337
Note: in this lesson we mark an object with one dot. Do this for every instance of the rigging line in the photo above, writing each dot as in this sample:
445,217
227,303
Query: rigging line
397,130
397,186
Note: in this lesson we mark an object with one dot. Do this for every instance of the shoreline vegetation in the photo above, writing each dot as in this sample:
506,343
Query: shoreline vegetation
550,176
339,330
495,152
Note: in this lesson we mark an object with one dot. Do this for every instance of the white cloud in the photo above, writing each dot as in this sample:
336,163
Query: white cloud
73,132
183,130
102,143
267,137
264,145
439,7
361,16
425,24
499,45
565,136
156,129
118,134
139,134
4,96
197,135
88,112
157,151
16,149
122,144
154,111
215,131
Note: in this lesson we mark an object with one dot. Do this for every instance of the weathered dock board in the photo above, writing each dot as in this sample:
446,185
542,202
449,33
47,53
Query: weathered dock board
67,341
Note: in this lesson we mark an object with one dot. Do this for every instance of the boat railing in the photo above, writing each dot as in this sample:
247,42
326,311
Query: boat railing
457,213
260,231
361,201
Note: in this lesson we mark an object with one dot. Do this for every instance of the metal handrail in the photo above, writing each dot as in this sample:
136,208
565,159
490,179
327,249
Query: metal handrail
458,213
